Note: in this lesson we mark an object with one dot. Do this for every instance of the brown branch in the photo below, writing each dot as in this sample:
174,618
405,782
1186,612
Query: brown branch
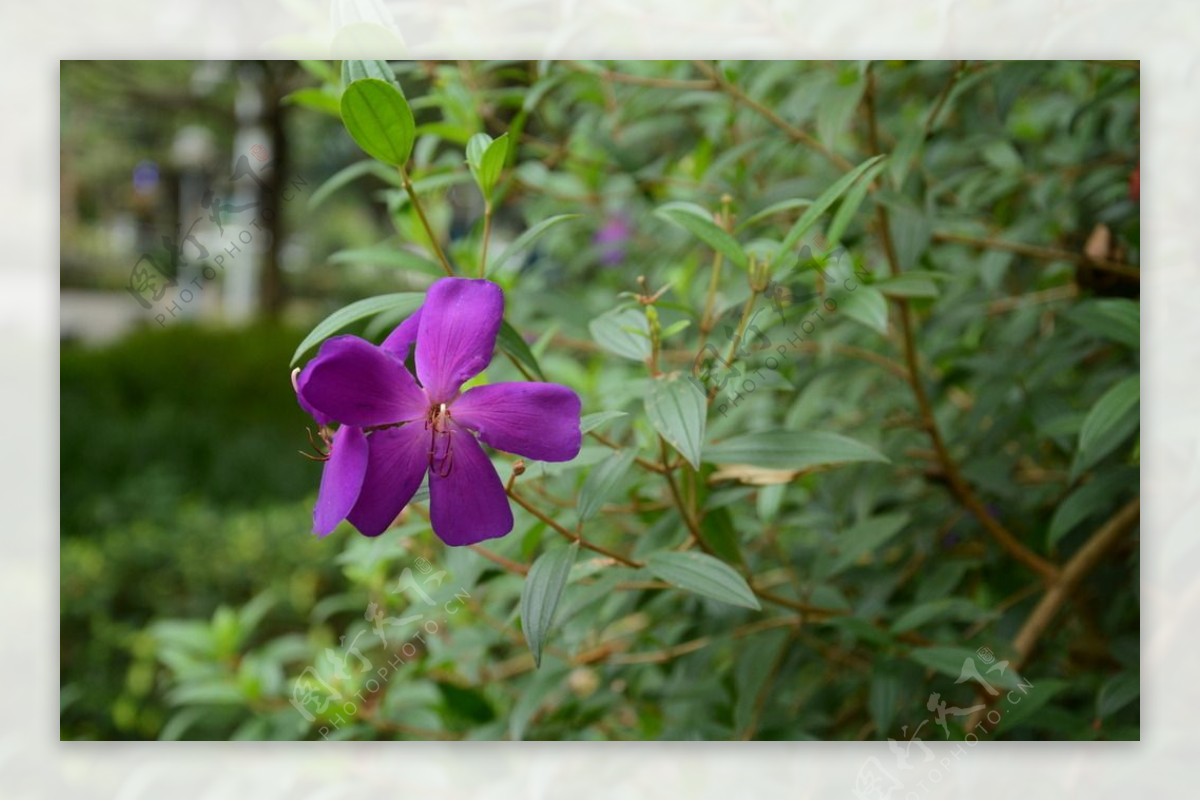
958,485
1040,252
554,524
1079,565
797,134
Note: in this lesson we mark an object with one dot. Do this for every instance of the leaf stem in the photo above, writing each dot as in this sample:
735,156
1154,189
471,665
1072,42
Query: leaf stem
433,240
487,234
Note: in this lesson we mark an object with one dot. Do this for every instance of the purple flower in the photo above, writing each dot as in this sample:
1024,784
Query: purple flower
612,238
393,430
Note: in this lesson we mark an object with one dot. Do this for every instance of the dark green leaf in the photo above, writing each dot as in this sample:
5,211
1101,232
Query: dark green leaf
513,344
704,575
1108,424
601,481
541,593
790,450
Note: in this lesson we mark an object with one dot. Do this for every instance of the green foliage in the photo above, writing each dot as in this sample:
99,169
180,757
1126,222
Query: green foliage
833,328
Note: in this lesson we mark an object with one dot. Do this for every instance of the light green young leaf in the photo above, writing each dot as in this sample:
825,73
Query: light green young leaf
821,205
379,120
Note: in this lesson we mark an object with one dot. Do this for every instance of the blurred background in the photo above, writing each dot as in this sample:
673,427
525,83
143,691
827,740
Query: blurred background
213,212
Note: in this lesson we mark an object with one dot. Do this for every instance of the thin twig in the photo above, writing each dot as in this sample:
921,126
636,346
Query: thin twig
958,485
798,134
1040,252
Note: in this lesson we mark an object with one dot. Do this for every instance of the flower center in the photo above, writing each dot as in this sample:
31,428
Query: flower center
441,450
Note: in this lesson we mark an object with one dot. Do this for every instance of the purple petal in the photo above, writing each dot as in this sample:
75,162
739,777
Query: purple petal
401,340
468,504
341,480
359,384
538,421
398,458
322,420
457,334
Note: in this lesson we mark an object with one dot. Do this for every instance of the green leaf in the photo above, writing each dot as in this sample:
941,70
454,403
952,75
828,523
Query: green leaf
379,120
790,450
1108,424
357,70
821,205
387,254
486,157
624,332
950,660
314,98
601,481
699,222
593,421
1025,702
541,593
849,206
678,411
908,285
718,533
1085,501
513,344
526,239
1117,693
755,663
348,174
940,609
869,535
774,208
356,311
866,305
703,575
1118,319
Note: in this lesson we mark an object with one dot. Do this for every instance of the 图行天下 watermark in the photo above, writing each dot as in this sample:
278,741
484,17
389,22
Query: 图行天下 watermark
158,280
713,372
915,777
331,697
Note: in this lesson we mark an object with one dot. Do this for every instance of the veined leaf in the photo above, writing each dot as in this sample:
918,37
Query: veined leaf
678,411
790,450
379,120
541,593
704,575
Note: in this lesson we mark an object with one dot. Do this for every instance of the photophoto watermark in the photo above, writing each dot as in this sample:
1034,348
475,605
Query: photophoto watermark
713,371
188,253
915,774
318,696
